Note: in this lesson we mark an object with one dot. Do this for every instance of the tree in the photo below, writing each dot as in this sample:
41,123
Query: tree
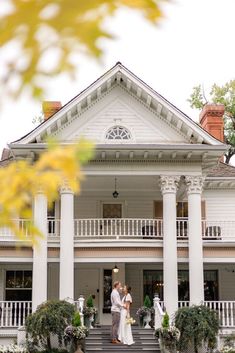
35,29
50,318
225,95
64,28
59,165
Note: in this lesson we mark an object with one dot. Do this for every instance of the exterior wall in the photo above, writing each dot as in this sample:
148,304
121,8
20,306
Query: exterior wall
141,206
53,281
220,204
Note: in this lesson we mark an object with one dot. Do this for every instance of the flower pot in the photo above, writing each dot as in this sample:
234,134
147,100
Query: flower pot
147,319
91,320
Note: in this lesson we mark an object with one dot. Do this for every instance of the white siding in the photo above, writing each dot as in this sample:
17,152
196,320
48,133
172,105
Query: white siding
220,204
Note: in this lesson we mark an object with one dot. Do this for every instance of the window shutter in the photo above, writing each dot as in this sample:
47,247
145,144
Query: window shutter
203,203
158,209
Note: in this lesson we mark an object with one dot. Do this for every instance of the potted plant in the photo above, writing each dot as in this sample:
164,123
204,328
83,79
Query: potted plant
145,312
168,336
75,335
89,312
198,326
50,319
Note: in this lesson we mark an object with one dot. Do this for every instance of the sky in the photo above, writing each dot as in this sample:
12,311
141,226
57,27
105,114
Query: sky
193,44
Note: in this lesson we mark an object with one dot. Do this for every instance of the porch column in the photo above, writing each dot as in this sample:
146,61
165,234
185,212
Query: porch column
66,243
196,278
39,290
169,186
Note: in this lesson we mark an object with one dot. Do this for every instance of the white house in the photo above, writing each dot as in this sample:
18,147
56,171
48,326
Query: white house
169,228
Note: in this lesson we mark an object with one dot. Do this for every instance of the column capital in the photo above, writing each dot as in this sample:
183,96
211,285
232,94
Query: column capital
65,188
169,183
194,184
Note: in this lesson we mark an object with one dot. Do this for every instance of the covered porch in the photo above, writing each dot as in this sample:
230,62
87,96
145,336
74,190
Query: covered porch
97,279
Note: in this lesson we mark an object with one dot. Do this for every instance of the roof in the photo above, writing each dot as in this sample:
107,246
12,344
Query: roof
222,170
120,75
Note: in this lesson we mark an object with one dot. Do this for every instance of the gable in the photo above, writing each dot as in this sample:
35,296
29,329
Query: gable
120,93
120,109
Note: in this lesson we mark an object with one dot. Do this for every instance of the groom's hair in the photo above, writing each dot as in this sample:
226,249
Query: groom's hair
116,284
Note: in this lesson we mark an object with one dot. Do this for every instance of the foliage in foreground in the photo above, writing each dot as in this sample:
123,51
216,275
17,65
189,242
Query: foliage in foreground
225,95
59,165
197,325
51,317
58,28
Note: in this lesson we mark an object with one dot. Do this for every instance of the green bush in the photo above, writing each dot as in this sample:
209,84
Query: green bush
51,317
147,302
76,319
197,325
89,302
166,321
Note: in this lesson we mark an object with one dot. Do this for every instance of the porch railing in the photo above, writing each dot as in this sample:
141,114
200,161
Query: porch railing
224,309
119,228
14,313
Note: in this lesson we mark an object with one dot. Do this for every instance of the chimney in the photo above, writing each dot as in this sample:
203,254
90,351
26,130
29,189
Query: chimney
50,107
211,119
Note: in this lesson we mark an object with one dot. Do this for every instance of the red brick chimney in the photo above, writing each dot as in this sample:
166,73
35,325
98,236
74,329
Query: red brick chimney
50,107
211,119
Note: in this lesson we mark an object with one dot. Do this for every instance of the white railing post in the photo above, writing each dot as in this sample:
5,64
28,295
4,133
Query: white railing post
158,312
81,301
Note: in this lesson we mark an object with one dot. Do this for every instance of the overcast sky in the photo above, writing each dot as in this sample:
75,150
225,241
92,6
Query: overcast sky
193,44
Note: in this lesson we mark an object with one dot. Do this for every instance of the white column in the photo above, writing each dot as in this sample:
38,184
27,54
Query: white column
169,186
196,278
39,290
66,243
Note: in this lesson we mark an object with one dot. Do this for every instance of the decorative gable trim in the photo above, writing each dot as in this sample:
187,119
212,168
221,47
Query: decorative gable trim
121,76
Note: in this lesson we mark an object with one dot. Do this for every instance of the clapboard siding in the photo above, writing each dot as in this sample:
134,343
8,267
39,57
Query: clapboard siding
220,204
91,207
53,281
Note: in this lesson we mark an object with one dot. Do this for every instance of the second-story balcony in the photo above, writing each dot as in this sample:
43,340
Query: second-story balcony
126,229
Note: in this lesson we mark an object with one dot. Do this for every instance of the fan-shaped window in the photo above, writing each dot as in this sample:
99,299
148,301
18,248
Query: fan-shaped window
118,133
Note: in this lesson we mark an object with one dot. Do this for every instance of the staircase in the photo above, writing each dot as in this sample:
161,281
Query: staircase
99,341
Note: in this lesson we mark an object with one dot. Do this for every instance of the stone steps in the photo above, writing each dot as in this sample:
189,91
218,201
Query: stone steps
99,341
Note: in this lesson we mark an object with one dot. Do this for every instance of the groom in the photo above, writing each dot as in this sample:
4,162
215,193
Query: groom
115,311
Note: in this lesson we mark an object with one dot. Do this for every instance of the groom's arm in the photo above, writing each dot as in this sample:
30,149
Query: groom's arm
116,300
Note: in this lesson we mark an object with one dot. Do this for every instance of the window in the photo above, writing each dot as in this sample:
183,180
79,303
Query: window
153,284
118,133
18,286
107,291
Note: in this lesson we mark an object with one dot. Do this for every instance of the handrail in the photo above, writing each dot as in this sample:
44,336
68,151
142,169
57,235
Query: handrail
14,313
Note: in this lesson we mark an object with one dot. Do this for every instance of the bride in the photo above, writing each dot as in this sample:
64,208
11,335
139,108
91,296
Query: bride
125,333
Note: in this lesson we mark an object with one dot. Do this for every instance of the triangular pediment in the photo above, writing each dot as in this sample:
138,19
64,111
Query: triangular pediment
119,109
119,98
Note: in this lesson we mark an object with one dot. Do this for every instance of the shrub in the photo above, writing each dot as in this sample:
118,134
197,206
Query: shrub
166,321
12,348
197,325
76,319
147,302
51,317
89,302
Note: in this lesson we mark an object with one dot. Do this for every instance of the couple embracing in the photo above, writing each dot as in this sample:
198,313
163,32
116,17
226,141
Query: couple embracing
121,330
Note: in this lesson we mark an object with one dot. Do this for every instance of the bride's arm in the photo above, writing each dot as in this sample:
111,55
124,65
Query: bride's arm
128,304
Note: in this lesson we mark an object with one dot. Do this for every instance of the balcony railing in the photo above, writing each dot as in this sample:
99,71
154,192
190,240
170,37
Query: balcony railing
119,228
14,313
126,228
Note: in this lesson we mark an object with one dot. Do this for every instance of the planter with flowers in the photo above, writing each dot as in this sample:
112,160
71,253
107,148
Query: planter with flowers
168,336
145,313
90,313
75,334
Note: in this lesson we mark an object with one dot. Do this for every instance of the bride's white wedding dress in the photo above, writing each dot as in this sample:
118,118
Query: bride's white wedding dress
125,332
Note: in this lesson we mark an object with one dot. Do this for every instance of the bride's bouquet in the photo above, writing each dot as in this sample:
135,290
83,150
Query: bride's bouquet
130,321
